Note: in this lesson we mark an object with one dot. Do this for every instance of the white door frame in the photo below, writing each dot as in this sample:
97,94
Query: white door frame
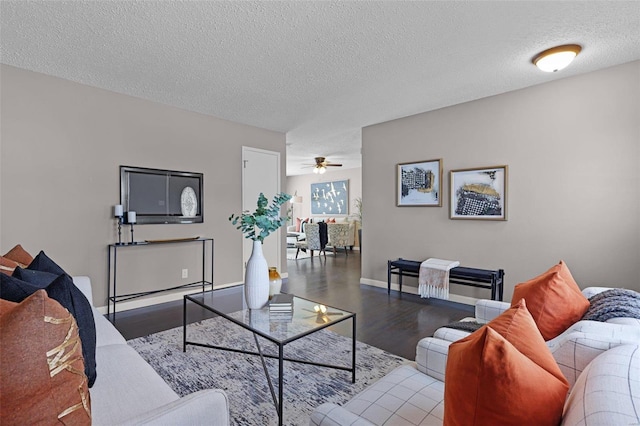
250,204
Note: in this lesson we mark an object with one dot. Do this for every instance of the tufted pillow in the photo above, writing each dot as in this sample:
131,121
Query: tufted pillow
25,282
554,300
41,368
506,379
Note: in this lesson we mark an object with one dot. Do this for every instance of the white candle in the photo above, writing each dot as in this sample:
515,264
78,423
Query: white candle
117,210
131,217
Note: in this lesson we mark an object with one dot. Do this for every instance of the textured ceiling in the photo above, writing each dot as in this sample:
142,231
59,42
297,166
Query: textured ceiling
318,71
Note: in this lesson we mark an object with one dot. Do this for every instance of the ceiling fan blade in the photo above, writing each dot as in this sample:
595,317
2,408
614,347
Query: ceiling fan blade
333,164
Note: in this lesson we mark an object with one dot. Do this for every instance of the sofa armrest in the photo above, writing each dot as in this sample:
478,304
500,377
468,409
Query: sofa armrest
605,393
589,292
431,357
574,349
329,414
84,284
450,334
209,406
486,310
633,322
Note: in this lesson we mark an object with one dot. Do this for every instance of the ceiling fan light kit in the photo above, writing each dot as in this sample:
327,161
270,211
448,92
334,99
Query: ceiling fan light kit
556,58
321,165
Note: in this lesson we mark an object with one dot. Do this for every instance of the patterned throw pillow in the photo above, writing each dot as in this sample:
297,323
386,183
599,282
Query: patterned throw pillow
41,368
7,266
59,286
19,255
15,257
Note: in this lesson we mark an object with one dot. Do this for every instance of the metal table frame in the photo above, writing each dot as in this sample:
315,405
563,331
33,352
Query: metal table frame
114,297
277,400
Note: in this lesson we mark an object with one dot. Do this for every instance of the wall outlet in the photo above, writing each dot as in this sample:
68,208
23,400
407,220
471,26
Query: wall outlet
185,273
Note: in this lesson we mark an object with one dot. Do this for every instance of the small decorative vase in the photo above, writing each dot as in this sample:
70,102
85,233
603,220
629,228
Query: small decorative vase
275,281
256,279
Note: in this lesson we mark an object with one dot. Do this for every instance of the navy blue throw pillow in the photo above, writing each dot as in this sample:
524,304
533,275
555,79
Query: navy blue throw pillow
43,263
39,279
14,289
25,282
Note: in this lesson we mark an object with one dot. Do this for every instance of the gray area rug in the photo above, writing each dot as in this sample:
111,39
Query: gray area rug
242,376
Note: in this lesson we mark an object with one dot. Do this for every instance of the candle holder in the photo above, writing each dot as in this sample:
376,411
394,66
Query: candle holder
131,220
120,243
132,241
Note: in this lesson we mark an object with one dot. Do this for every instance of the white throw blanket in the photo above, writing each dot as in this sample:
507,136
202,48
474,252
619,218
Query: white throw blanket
433,278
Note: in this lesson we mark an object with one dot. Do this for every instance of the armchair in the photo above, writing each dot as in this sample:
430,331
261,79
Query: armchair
312,240
341,235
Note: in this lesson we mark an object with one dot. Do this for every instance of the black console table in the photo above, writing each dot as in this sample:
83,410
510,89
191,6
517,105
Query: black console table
112,289
482,278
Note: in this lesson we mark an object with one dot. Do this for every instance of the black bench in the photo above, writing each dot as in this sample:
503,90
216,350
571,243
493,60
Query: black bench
474,277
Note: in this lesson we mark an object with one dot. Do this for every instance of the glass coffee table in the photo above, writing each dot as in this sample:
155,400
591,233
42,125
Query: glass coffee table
307,317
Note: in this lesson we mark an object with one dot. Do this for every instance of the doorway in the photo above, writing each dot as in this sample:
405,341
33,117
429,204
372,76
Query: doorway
260,173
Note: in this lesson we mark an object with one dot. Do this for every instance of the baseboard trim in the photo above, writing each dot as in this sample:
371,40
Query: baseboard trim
465,300
168,297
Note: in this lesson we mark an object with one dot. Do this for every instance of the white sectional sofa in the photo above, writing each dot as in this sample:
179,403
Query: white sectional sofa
601,362
573,350
128,391
607,392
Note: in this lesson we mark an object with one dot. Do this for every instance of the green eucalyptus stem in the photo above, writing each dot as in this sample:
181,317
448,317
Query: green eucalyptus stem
266,219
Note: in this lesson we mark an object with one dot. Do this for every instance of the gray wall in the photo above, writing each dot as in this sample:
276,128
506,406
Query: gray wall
62,144
573,151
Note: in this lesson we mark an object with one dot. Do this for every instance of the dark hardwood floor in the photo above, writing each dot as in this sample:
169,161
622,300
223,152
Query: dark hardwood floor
392,322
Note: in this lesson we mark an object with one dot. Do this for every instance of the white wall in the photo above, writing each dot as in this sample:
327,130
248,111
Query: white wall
302,185
62,145
573,151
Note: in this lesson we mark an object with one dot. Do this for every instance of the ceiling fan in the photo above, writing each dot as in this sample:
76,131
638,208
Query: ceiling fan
321,165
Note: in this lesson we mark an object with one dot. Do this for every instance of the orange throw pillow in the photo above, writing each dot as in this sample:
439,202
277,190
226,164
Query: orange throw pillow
517,326
554,300
41,368
509,379
19,255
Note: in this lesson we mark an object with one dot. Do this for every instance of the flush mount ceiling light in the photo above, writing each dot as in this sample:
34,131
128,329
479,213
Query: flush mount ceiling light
556,58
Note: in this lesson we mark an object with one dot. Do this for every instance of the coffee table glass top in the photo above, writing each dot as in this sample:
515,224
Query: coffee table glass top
305,317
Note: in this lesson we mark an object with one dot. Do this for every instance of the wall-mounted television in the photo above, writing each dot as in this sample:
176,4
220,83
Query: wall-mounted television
162,196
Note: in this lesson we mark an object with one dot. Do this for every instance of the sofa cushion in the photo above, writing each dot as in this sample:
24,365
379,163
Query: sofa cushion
607,391
128,386
19,255
62,289
403,397
554,300
512,379
41,368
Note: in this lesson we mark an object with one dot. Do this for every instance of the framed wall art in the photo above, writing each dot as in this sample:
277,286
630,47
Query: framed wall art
330,198
419,184
479,193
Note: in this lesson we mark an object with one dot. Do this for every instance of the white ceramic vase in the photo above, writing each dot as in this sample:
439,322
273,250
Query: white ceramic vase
256,279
